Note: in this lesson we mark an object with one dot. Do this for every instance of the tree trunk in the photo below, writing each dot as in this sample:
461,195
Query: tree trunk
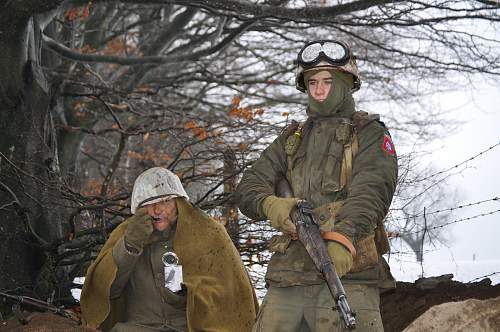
230,211
30,204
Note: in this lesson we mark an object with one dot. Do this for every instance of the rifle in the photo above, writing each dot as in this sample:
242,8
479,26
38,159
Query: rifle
36,304
310,236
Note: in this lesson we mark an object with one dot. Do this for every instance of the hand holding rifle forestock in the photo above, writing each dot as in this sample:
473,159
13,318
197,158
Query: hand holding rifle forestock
309,234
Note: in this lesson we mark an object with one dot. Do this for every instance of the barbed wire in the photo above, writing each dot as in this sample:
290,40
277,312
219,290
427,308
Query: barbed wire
403,253
449,223
483,277
458,168
459,164
447,209
410,252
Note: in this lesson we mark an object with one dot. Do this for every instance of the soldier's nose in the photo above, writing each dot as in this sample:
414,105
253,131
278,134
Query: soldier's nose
321,89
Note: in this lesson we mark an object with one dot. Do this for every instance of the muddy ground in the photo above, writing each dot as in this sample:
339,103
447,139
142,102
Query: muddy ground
402,305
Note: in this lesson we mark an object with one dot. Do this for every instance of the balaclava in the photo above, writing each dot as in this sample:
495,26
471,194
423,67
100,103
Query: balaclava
339,100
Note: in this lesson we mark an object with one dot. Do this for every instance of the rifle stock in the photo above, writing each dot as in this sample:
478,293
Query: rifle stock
36,304
310,236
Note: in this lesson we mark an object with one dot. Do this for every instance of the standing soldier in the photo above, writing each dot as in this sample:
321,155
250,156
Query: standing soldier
169,267
344,163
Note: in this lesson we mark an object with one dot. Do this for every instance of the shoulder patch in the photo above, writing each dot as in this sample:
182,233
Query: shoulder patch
388,146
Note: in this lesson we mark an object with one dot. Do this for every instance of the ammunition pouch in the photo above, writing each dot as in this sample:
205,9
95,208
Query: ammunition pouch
369,249
279,243
325,215
367,255
381,239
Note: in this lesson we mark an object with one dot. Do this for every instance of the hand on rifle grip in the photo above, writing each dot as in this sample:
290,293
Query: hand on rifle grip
277,210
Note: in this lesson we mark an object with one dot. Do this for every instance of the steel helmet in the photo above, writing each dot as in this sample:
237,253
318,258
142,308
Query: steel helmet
326,54
155,185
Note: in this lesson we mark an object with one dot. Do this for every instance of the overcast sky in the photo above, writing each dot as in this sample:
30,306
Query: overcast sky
473,247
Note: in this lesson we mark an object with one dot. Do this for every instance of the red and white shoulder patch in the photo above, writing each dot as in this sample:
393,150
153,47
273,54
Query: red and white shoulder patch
388,146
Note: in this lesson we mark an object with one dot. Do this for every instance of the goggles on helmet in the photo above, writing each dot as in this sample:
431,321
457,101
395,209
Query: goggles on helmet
323,54
335,52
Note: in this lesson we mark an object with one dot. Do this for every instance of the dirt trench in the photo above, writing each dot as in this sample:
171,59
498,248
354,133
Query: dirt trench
400,306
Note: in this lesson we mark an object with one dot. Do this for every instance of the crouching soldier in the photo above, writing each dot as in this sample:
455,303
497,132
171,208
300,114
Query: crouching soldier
169,267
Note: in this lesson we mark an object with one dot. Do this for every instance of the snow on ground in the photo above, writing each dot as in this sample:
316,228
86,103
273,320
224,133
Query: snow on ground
462,270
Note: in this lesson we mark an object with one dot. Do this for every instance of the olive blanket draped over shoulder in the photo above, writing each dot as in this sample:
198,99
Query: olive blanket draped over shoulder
220,294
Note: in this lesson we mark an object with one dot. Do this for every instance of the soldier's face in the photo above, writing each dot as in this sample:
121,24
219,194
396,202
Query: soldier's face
319,85
163,214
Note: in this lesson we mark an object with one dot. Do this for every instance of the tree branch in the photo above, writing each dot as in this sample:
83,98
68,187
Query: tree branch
136,60
113,165
14,8
246,10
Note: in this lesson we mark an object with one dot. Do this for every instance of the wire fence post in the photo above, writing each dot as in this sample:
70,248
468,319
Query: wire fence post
422,244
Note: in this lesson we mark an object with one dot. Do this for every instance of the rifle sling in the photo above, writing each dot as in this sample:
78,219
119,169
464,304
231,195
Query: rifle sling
339,238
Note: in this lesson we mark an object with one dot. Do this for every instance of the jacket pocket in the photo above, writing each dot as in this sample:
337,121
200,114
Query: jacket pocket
330,182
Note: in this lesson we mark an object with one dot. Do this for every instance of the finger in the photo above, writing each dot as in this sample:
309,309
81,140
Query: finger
149,223
147,219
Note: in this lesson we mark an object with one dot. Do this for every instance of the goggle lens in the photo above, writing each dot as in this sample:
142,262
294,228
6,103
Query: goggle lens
334,51
311,52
